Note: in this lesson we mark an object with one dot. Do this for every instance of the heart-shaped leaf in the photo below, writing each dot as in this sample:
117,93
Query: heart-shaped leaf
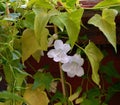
35,97
72,22
95,56
29,44
41,33
106,24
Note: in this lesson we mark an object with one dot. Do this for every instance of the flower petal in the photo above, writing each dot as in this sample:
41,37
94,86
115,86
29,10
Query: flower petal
66,67
51,53
70,74
58,44
65,59
66,47
80,72
77,58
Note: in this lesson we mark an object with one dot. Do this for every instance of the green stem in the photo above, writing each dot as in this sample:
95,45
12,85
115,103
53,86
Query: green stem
79,47
62,81
61,72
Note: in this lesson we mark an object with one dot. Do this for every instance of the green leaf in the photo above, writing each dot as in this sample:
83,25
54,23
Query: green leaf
109,70
71,22
79,100
75,95
58,96
95,56
1,103
42,80
10,96
114,88
40,4
70,4
41,33
37,55
29,20
9,75
35,97
29,44
55,21
76,16
93,93
107,3
20,76
106,24
90,102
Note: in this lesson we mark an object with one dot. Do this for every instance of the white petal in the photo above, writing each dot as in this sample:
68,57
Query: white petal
80,72
65,59
77,58
66,67
57,59
70,74
66,47
51,53
58,44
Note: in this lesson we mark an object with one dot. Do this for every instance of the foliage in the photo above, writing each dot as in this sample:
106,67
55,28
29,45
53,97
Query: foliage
25,31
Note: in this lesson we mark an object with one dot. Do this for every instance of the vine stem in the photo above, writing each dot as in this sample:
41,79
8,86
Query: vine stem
7,9
61,72
62,81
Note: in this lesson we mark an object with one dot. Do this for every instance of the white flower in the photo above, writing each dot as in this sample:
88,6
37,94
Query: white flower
59,54
73,67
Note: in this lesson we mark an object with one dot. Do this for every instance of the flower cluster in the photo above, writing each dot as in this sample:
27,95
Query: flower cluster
71,64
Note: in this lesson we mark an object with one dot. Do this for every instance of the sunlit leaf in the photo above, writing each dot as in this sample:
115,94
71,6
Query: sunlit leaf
79,100
29,20
72,24
95,56
41,33
29,44
1,103
37,55
35,97
107,3
40,3
59,103
55,21
106,24
76,16
76,94
41,20
69,5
